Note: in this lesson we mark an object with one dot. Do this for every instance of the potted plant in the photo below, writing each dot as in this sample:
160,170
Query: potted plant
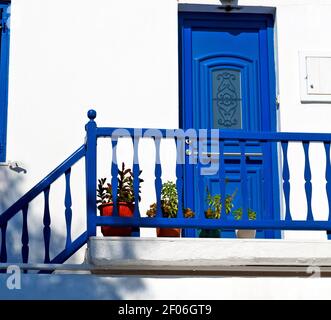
214,212
125,200
245,233
169,207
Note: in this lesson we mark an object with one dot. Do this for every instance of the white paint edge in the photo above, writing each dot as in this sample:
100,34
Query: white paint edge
204,254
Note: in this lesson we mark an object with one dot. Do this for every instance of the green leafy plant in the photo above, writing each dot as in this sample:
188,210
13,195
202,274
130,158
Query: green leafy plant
215,205
104,191
125,188
169,203
238,213
169,199
214,210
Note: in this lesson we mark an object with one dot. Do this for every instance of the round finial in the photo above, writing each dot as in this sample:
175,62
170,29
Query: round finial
91,114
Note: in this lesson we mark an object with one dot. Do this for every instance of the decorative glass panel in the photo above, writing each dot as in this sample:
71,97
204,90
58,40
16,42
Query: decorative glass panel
227,99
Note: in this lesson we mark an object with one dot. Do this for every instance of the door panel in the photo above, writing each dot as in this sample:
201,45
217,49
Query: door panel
227,83
223,83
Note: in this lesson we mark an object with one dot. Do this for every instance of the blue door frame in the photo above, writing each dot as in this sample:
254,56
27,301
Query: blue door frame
263,25
4,67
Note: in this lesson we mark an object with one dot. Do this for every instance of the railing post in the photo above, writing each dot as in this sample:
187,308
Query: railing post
91,173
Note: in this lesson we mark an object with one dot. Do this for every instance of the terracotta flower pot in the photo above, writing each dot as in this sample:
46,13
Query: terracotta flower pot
168,232
124,210
245,234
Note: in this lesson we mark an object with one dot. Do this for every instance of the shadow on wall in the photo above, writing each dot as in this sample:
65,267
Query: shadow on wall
9,187
58,286
10,192
76,286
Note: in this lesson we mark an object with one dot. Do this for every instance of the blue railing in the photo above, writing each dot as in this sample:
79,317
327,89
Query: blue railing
266,143
22,206
190,147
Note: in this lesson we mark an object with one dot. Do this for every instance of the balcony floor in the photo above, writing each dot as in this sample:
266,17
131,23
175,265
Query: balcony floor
126,255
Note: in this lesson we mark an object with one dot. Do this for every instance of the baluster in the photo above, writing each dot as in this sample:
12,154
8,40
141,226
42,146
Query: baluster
47,223
308,185
91,173
158,174
328,175
267,185
222,180
179,174
243,175
203,191
68,210
25,235
286,182
136,173
3,251
114,174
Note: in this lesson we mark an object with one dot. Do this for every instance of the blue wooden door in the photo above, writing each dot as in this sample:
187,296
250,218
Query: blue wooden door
227,83
4,63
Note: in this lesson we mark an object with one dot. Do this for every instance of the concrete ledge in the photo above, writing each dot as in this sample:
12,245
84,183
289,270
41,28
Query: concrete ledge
121,253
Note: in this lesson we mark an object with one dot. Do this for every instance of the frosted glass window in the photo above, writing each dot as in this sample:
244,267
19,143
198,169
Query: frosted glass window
227,99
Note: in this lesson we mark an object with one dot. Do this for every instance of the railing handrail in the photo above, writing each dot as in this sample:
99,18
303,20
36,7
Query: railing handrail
224,134
243,139
42,185
201,223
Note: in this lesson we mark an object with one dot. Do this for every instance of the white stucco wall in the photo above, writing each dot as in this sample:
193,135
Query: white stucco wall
164,288
121,58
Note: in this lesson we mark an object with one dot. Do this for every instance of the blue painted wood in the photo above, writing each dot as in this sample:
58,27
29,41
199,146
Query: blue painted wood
180,158
4,67
308,185
158,174
244,183
114,175
202,196
68,210
286,182
3,250
268,197
47,223
136,173
328,181
267,138
210,42
42,185
215,223
328,175
25,235
91,173
222,179
68,252
103,132
228,134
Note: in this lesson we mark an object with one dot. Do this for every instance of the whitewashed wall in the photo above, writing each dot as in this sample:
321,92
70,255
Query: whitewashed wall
121,58
73,287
